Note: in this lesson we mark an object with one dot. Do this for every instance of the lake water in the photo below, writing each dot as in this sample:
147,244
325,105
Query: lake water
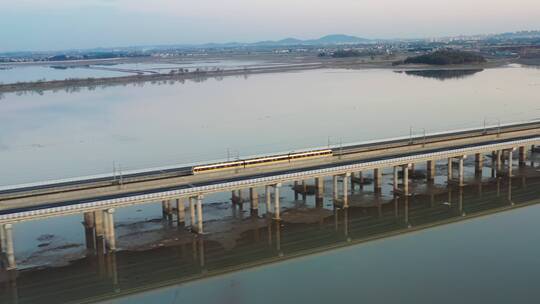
29,73
71,133
35,73
67,134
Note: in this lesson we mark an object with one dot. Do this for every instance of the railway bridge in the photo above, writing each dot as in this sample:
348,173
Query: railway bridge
179,188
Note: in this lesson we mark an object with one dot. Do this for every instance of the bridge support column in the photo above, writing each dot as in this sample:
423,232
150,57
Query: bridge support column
192,212
166,208
2,239
180,211
346,178
396,181
319,184
268,197
199,215
90,231
240,201
277,215
478,164
406,180
254,199
335,187
450,170
430,170
461,171
10,252
377,179
498,155
110,236
522,156
510,162
99,225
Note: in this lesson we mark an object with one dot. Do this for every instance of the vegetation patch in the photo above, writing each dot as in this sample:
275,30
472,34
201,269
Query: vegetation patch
445,57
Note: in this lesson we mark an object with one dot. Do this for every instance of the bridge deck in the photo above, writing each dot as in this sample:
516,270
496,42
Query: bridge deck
145,186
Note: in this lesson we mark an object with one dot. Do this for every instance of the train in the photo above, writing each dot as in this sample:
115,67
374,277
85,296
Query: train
258,161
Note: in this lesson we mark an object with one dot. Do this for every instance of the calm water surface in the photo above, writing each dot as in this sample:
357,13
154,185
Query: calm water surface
489,259
58,135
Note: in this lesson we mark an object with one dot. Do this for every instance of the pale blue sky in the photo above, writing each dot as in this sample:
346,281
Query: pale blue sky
61,24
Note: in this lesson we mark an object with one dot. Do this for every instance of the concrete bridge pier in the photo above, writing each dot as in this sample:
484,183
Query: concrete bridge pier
478,164
377,179
522,156
360,179
277,215
90,231
396,179
199,214
346,178
406,180
431,170
166,208
461,170
510,161
240,201
2,240
450,170
335,187
180,212
498,161
192,212
268,197
96,219
9,247
319,196
254,200
110,236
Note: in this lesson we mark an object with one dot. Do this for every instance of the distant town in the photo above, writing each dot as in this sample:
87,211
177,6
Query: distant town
523,45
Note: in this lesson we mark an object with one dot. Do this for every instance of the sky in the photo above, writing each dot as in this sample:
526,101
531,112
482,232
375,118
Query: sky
65,24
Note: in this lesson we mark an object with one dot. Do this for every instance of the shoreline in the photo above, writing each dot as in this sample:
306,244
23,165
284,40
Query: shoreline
76,83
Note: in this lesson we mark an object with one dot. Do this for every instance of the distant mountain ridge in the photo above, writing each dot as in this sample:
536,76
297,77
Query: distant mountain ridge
328,39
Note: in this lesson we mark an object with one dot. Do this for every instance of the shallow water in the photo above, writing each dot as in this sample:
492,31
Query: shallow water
42,73
58,135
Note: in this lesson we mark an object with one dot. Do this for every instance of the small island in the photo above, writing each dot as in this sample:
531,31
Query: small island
445,57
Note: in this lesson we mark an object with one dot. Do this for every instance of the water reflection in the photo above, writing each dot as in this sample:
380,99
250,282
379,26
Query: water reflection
276,112
442,74
306,228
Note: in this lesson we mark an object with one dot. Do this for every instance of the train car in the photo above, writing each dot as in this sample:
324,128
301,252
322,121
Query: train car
259,161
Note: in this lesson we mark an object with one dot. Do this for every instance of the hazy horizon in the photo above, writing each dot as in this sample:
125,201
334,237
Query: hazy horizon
31,25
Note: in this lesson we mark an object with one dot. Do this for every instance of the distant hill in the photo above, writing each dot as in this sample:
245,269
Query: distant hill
336,39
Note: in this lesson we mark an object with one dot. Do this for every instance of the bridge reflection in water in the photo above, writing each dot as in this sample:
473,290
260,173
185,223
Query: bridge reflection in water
309,229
